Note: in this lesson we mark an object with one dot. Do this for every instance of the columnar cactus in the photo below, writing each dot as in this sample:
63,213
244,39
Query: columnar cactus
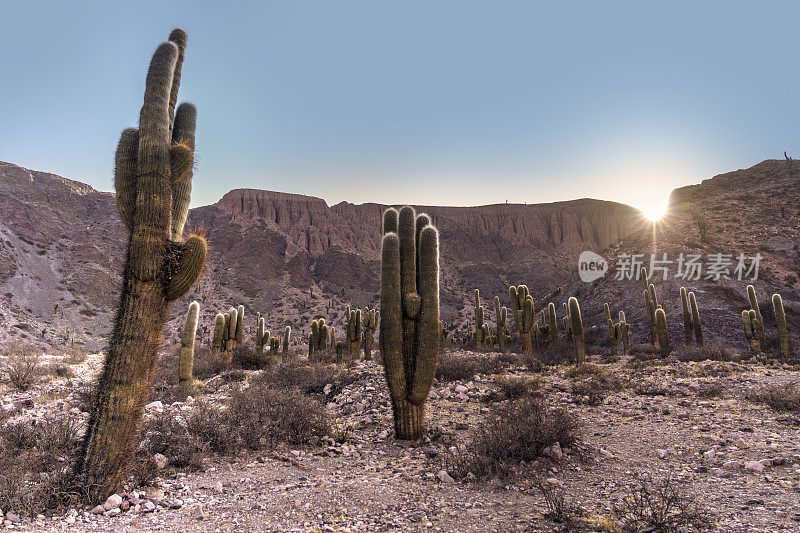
153,180
274,345
522,305
218,341
287,335
239,325
500,324
353,331
780,323
663,334
409,315
758,324
186,358
696,327
577,331
338,350
650,305
553,323
614,335
262,335
687,316
607,311
370,320
318,339
748,319
625,332
232,325
479,331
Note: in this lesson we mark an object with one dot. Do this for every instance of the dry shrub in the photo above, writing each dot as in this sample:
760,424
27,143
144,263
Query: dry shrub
593,391
463,367
561,354
208,364
706,352
74,355
22,366
661,505
645,352
309,378
515,387
37,458
558,508
780,398
247,357
512,434
59,370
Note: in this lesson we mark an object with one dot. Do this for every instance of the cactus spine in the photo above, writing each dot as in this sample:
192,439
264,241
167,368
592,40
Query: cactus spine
353,331
152,177
522,305
696,327
500,325
780,323
577,331
663,334
186,357
409,315
370,320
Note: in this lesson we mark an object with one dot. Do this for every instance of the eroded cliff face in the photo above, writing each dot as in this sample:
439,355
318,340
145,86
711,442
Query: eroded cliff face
63,243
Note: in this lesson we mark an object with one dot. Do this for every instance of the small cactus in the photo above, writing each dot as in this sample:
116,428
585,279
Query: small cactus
218,341
625,332
479,331
696,327
338,350
551,308
522,305
370,319
687,316
500,324
577,331
274,345
353,331
780,323
663,334
186,358
287,335
614,335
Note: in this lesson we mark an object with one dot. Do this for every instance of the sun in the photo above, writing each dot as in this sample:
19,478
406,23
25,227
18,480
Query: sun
654,213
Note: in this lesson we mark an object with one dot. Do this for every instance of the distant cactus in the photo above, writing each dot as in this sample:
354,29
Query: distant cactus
409,316
687,316
370,320
218,341
239,325
186,358
338,350
500,324
553,323
153,180
757,324
262,335
663,334
274,345
480,335
522,305
780,323
696,327
614,335
318,338
577,331
353,331
650,312
607,311
287,335
625,332
232,324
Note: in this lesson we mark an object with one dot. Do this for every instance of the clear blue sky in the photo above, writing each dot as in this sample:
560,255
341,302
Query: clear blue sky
438,102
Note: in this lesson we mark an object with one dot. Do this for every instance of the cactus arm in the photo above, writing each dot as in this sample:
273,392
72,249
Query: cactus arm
780,322
125,170
182,160
390,221
190,266
427,338
391,328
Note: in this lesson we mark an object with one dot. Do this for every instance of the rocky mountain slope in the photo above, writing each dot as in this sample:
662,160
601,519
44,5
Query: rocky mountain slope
295,258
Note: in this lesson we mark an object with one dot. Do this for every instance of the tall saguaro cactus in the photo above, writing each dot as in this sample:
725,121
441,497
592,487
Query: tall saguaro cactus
409,328
696,327
353,331
522,305
687,316
186,357
152,177
551,312
663,333
480,333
